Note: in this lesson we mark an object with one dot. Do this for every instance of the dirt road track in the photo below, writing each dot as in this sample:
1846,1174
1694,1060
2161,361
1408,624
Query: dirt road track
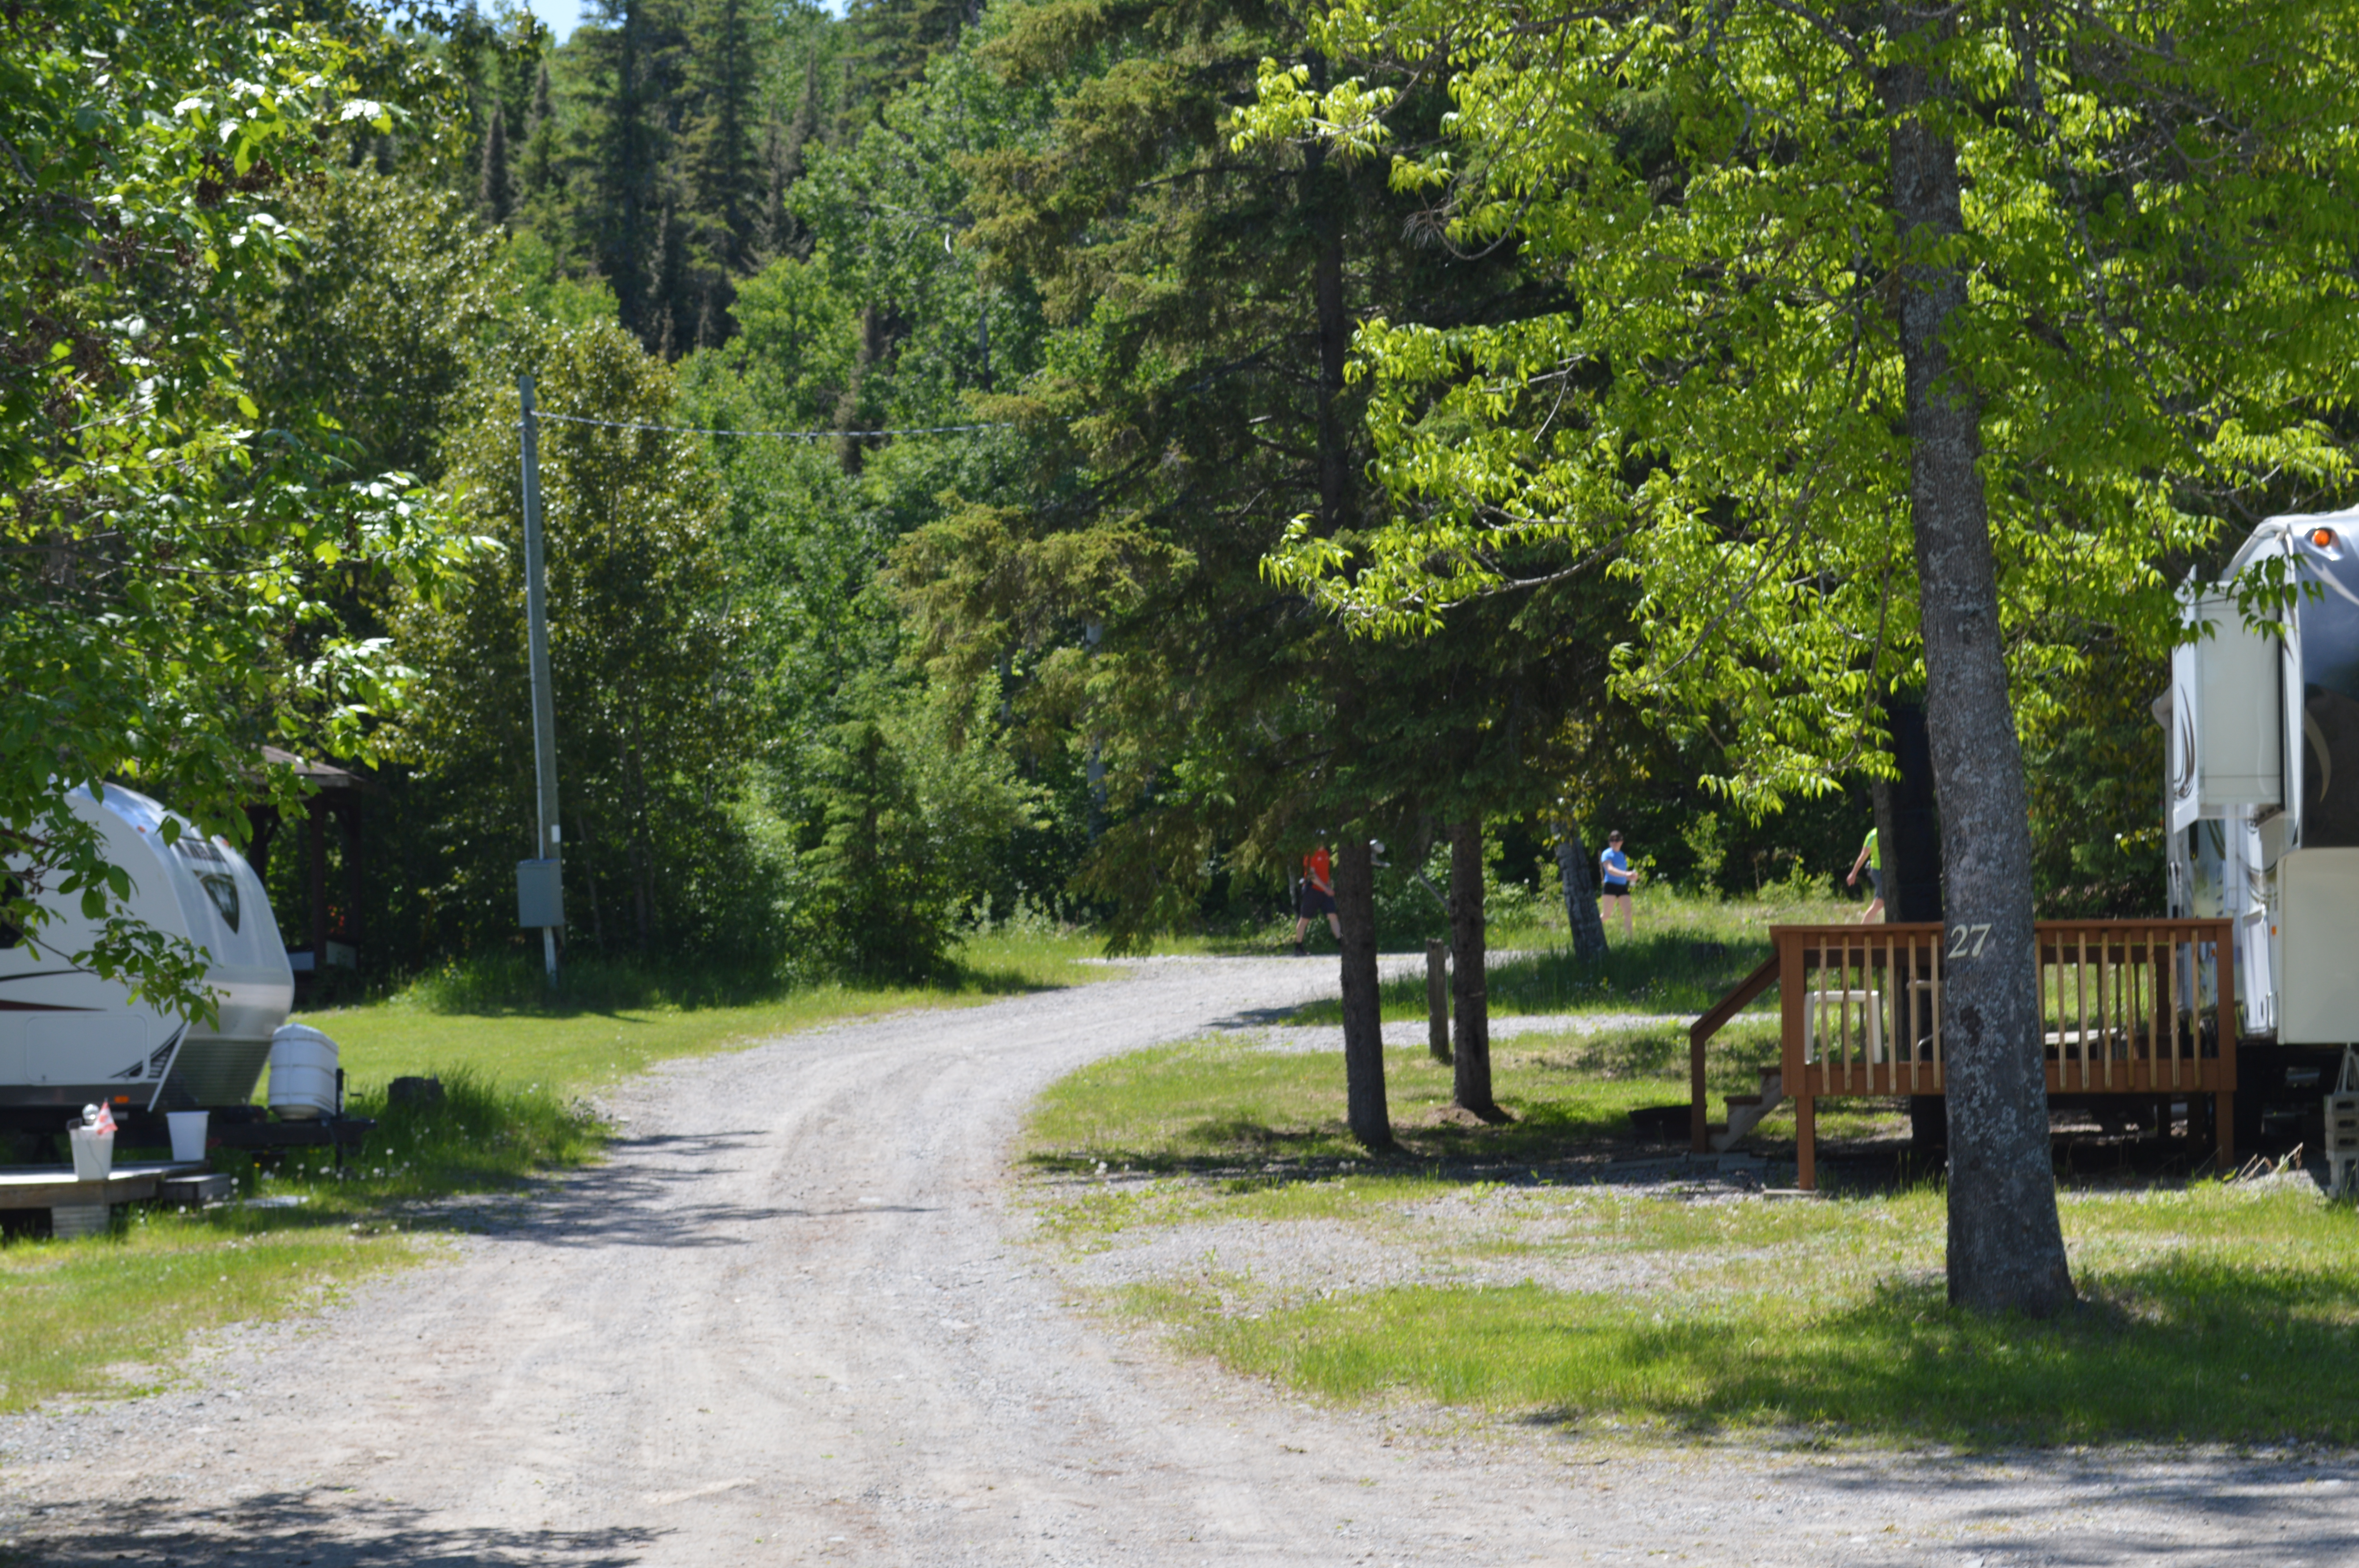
794,1320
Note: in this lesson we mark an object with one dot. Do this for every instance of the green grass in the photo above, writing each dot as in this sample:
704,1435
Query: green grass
109,1313
2210,1307
107,1316
1687,954
1215,1106
2216,1340
609,1022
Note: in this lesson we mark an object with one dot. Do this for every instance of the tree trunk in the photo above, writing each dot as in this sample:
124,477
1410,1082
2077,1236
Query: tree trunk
2005,1247
1321,197
1364,1033
1437,1002
1573,863
1471,1074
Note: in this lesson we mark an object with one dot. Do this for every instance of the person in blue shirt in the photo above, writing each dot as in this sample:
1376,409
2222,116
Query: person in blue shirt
1615,880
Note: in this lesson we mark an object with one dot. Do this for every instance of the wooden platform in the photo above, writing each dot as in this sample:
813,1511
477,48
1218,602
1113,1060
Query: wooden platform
2144,1008
48,1186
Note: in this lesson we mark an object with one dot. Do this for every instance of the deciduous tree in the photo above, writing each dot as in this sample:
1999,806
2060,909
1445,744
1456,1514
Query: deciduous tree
1896,340
158,534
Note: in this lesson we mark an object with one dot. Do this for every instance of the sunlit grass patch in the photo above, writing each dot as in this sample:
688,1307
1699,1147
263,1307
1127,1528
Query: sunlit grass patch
609,1022
2215,1342
1689,1311
81,1314
300,1231
106,1314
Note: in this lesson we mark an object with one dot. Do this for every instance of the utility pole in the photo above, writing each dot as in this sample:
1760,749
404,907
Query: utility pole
540,889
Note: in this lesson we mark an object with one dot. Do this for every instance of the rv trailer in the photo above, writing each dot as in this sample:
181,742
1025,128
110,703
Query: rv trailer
2262,811
68,1038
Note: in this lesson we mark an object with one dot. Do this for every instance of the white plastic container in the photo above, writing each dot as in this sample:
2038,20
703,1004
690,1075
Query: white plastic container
302,1074
93,1153
188,1129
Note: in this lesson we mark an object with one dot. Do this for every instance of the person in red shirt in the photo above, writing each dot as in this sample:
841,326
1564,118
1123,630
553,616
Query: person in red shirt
1315,897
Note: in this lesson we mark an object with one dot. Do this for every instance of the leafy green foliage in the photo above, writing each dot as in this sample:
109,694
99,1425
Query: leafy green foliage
2154,328
644,655
162,536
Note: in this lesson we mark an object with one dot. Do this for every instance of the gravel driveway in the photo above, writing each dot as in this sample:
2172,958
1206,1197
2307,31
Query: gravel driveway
795,1319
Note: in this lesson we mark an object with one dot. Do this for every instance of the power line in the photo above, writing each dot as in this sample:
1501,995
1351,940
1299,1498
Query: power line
791,435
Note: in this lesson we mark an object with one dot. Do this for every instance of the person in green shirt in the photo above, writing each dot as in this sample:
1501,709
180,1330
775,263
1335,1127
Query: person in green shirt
1872,859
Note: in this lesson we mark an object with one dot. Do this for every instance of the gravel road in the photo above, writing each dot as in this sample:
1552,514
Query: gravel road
795,1319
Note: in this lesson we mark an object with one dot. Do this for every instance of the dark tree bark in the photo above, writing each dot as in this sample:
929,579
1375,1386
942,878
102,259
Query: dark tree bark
1437,1002
1322,196
1471,1050
1572,865
1364,1032
2005,1246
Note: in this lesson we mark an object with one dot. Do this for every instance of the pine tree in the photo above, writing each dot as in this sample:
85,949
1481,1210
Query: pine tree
540,137
630,54
723,172
492,192
782,233
894,41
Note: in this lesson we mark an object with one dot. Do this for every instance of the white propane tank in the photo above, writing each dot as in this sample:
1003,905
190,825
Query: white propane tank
302,1073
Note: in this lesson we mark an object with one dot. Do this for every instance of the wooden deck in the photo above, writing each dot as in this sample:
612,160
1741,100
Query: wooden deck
2127,1006
48,1186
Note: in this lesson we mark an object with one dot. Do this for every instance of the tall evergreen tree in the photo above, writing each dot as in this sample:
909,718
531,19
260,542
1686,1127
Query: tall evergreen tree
494,192
724,174
1208,301
540,137
630,53
892,42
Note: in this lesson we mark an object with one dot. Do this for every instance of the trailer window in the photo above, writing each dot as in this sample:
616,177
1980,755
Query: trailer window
2329,702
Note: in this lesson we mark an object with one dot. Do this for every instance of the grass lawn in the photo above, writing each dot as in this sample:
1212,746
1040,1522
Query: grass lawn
1479,1269
104,1314
604,1030
1687,954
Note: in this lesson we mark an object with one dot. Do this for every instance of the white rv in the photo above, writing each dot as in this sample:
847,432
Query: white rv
68,1038
2263,801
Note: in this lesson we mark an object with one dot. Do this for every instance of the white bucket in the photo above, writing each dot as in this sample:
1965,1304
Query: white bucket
188,1129
93,1153
302,1073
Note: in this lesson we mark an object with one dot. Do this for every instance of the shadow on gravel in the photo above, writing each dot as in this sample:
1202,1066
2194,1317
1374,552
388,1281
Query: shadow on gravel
636,1199
321,1528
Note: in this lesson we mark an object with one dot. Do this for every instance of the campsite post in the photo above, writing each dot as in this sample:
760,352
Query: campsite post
540,897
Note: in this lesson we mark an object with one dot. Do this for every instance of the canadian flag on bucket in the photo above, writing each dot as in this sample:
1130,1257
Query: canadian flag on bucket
99,1118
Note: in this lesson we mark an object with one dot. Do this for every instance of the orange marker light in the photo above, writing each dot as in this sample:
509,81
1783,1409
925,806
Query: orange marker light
2321,537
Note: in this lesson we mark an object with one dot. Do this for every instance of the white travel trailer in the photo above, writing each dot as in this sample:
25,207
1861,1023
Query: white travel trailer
2263,801
68,1038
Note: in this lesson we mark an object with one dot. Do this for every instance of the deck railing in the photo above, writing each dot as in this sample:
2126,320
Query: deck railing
2127,1006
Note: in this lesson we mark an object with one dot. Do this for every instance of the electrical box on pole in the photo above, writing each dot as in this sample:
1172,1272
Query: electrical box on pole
540,888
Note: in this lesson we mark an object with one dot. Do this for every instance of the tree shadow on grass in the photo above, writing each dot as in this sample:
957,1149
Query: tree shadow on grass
1541,1141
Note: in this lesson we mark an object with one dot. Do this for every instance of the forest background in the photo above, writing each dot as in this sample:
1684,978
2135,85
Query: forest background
829,699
